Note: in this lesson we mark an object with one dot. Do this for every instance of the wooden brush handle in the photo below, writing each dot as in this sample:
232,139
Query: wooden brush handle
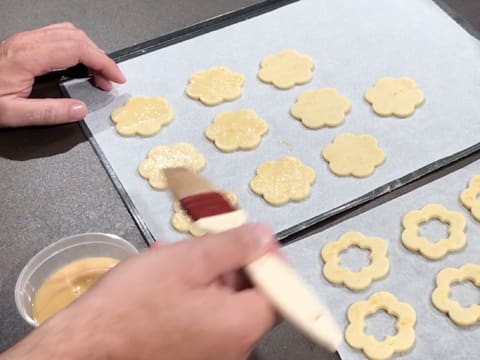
285,289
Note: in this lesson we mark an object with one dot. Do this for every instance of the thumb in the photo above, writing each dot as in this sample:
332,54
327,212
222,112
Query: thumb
27,112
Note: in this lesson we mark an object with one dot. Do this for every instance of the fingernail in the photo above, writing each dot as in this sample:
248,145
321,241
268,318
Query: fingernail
264,235
122,79
78,111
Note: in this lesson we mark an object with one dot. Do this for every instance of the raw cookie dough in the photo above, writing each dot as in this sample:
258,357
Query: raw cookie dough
456,231
286,69
470,197
401,342
283,180
142,115
164,156
392,96
215,86
236,130
319,108
358,280
440,298
356,155
183,223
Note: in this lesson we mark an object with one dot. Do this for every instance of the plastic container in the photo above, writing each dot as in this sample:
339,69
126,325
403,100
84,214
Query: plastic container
59,254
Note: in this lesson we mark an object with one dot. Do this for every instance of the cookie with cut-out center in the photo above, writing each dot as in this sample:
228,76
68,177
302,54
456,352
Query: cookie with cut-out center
461,316
470,197
400,343
455,241
355,280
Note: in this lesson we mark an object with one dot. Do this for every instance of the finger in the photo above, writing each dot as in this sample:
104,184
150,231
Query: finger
99,81
69,53
215,255
61,25
157,244
235,280
62,34
26,112
256,316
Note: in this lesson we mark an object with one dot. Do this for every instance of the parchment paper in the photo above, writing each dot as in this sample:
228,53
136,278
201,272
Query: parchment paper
353,43
412,277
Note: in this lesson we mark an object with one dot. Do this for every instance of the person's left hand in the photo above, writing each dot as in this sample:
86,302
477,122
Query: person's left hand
32,53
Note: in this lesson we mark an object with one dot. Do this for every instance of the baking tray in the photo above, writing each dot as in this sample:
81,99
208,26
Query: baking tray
366,40
412,277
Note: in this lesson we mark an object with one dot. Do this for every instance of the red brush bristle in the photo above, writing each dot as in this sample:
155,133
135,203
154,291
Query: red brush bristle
206,204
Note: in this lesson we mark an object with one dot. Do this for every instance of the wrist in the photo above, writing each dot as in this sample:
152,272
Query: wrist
66,336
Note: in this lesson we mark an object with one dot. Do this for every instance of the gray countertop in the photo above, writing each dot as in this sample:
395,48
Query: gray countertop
51,183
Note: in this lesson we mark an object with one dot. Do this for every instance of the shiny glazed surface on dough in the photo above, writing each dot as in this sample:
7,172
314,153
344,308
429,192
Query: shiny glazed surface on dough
237,130
216,85
284,180
142,115
164,156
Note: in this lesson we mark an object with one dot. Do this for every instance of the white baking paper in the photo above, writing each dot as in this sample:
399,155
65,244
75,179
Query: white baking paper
412,277
353,43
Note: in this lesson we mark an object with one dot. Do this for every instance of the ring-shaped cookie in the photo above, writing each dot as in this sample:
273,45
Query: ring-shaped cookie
455,241
401,342
355,280
462,316
470,197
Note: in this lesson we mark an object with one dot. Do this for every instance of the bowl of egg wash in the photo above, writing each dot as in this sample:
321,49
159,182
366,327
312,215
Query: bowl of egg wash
64,270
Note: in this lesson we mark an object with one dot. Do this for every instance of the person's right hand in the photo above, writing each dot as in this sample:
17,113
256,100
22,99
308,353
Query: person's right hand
32,53
171,302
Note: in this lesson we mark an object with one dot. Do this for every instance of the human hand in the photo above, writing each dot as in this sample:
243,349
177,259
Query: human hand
170,302
33,53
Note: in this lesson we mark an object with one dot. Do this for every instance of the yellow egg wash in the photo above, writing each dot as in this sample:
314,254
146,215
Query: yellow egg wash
67,284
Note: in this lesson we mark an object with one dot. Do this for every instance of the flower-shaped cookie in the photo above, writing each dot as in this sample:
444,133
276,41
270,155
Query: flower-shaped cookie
215,86
470,197
456,231
142,115
286,69
319,108
401,342
283,180
356,155
235,130
165,156
462,316
183,223
392,96
357,280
